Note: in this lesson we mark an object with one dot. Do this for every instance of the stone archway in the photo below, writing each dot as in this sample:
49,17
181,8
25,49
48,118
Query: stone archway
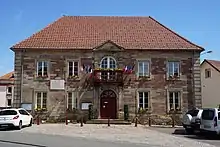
108,104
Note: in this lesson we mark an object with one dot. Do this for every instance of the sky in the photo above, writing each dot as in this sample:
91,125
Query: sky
196,20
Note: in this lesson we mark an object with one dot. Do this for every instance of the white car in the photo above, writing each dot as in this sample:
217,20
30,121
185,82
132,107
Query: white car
15,118
210,121
191,120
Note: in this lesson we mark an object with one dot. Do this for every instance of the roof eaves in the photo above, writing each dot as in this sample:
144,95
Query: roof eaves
210,65
198,47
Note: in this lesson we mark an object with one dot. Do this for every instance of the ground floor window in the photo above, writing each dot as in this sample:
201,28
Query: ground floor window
9,102
71,100
41,100
174,100
143,100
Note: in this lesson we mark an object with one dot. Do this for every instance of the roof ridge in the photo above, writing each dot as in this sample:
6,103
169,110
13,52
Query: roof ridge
47,26
202,49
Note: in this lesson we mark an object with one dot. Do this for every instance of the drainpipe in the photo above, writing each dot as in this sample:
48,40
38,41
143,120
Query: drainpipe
193,80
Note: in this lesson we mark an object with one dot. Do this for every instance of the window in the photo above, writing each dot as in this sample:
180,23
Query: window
208,114
143,69
108,63
9,90
207,73
9,102
8,112
41,100
71,101
42,68
23,112
174,100
173,68
73,69
143,98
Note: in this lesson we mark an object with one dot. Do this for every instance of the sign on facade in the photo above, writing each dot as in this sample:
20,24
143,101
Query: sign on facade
57,84
85,106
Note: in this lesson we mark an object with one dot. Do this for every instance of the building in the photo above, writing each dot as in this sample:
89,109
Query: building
210,78
6,90
108,62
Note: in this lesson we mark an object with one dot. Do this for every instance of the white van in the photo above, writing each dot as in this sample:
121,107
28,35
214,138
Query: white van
210,121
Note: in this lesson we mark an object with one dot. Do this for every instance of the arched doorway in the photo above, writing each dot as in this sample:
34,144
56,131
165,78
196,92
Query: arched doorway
108,104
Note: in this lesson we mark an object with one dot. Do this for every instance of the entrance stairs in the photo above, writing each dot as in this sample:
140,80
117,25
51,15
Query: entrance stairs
112,121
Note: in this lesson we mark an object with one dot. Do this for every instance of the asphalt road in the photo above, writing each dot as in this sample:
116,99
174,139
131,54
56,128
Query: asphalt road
180,132
19,139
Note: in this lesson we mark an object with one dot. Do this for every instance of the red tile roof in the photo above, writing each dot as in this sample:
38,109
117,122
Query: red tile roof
88,32
8,76
214,63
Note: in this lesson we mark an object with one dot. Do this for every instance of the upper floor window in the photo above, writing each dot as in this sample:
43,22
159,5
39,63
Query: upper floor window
9,90
207,73
174,100
143,98
73,68
42,68
108,62
173,68
143,68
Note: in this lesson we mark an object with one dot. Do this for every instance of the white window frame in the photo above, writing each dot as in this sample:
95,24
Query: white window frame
11,90
41,100
173,67
74,100
148,104
108,62
179,99
108,65
11,102
42,70
146,73
73,70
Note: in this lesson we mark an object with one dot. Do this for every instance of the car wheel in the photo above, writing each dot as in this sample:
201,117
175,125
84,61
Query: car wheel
31,122
19,127
189,131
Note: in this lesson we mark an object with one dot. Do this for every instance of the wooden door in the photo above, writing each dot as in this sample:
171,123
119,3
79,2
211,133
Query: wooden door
108,105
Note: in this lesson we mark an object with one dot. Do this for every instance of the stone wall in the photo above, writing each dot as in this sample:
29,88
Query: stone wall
158,84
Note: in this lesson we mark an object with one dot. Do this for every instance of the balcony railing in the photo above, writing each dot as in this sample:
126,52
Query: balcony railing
108,76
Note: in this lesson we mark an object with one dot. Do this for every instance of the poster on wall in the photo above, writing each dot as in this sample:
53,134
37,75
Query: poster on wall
85,106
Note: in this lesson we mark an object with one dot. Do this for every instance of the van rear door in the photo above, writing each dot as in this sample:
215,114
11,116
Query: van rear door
207,121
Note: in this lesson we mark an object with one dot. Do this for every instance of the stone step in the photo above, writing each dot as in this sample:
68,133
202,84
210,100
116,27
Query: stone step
112,121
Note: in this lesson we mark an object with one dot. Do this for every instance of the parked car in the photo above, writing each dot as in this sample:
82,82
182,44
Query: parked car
210,121
15,118
191,120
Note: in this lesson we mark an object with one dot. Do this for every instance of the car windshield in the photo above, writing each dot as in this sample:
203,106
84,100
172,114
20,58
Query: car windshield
193,112
8,112
208,114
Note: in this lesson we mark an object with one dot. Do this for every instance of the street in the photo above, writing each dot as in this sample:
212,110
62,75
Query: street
72,135
19,139
213,140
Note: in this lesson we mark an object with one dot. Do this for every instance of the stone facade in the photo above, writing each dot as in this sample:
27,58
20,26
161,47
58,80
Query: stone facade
27,84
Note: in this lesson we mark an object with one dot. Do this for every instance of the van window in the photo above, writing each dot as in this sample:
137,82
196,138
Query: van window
193,112
218,115
208,114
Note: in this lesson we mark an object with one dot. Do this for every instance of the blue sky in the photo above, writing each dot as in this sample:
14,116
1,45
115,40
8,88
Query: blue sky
197,20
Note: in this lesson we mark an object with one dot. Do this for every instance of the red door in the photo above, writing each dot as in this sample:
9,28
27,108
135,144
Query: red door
108,104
